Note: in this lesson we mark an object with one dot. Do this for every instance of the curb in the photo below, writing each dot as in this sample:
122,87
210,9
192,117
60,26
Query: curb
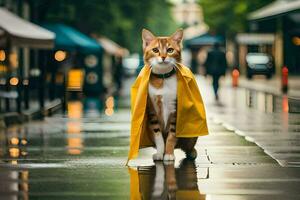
294,102
13,118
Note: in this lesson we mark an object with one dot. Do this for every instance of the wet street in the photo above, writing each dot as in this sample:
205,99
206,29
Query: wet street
252,152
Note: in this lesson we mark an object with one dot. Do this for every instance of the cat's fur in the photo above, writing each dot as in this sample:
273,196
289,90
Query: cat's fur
162,54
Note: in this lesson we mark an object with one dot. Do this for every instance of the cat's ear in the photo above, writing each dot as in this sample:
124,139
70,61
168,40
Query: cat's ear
177,36
147,37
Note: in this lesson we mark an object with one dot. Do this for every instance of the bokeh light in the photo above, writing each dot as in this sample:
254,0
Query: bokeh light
14,81
2,55
60,55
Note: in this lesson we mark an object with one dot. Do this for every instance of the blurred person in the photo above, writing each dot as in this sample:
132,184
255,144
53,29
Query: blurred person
118,73
216,66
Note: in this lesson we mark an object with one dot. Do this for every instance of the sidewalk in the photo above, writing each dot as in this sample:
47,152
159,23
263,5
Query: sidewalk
79,156
261,118
240,158
260,83
34,112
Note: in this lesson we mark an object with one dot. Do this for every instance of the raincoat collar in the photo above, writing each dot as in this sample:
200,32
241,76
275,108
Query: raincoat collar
183,72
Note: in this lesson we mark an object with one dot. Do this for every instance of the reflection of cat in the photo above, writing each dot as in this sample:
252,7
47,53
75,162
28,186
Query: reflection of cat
167,182
162,54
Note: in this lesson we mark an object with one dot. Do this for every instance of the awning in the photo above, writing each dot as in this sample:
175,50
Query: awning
202,40
111,47
255,38
274,9
24,33
69,39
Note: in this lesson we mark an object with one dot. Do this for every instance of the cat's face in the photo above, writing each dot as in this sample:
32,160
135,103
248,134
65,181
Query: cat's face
160,51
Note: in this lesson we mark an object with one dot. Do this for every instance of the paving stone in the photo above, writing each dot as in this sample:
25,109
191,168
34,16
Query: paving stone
249,154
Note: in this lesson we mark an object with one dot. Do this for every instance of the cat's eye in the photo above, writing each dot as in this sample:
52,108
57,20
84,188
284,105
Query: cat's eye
170,50
155,50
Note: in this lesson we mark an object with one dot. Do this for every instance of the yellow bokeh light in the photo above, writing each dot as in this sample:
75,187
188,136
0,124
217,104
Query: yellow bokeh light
109,111
74,151
14,162
3,68
75,145
14,152
75,79
60,55
14,81
13,59
23,141
75,109
2,55
73,127
109,102
296,41
14,141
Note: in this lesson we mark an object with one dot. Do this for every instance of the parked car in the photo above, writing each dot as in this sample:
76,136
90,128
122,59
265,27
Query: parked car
259,64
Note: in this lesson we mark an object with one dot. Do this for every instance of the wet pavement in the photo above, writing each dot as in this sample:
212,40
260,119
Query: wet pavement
252,152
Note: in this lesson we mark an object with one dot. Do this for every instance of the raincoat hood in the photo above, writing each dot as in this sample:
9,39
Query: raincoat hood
191,118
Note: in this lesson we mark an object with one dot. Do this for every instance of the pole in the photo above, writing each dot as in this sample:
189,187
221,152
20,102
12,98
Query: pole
42,62
284,79
235,78
19,98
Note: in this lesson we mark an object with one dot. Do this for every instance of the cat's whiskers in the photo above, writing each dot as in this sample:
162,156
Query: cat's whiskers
160,67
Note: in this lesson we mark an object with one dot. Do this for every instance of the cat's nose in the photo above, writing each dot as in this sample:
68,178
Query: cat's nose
163,58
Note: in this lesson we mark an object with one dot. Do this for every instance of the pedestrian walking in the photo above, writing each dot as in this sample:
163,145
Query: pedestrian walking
216,66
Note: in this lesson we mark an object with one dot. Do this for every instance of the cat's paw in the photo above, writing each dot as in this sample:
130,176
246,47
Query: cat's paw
169,157
158,156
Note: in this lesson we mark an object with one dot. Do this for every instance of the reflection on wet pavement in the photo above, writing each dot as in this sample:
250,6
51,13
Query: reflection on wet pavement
14,184
270,121
74,139
266,102
82,155
164,181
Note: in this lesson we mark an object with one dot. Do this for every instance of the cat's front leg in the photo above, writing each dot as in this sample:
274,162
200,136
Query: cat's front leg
170,146
160,146
155,127
171,139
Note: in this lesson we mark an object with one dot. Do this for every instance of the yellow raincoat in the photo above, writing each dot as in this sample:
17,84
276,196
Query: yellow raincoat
191,118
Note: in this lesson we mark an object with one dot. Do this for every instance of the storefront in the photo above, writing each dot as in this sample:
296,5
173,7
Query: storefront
78,58
112,64
281,18
17,38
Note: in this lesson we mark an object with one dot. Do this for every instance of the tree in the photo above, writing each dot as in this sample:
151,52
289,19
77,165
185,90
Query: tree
229,16
119,20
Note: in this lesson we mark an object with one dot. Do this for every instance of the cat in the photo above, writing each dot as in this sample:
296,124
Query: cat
162,54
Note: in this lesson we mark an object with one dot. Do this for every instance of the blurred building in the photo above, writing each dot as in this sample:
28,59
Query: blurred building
276,29
113,69
21,56
188,14
79,59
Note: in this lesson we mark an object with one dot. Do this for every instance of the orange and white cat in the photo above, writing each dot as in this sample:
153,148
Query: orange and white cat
162,54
